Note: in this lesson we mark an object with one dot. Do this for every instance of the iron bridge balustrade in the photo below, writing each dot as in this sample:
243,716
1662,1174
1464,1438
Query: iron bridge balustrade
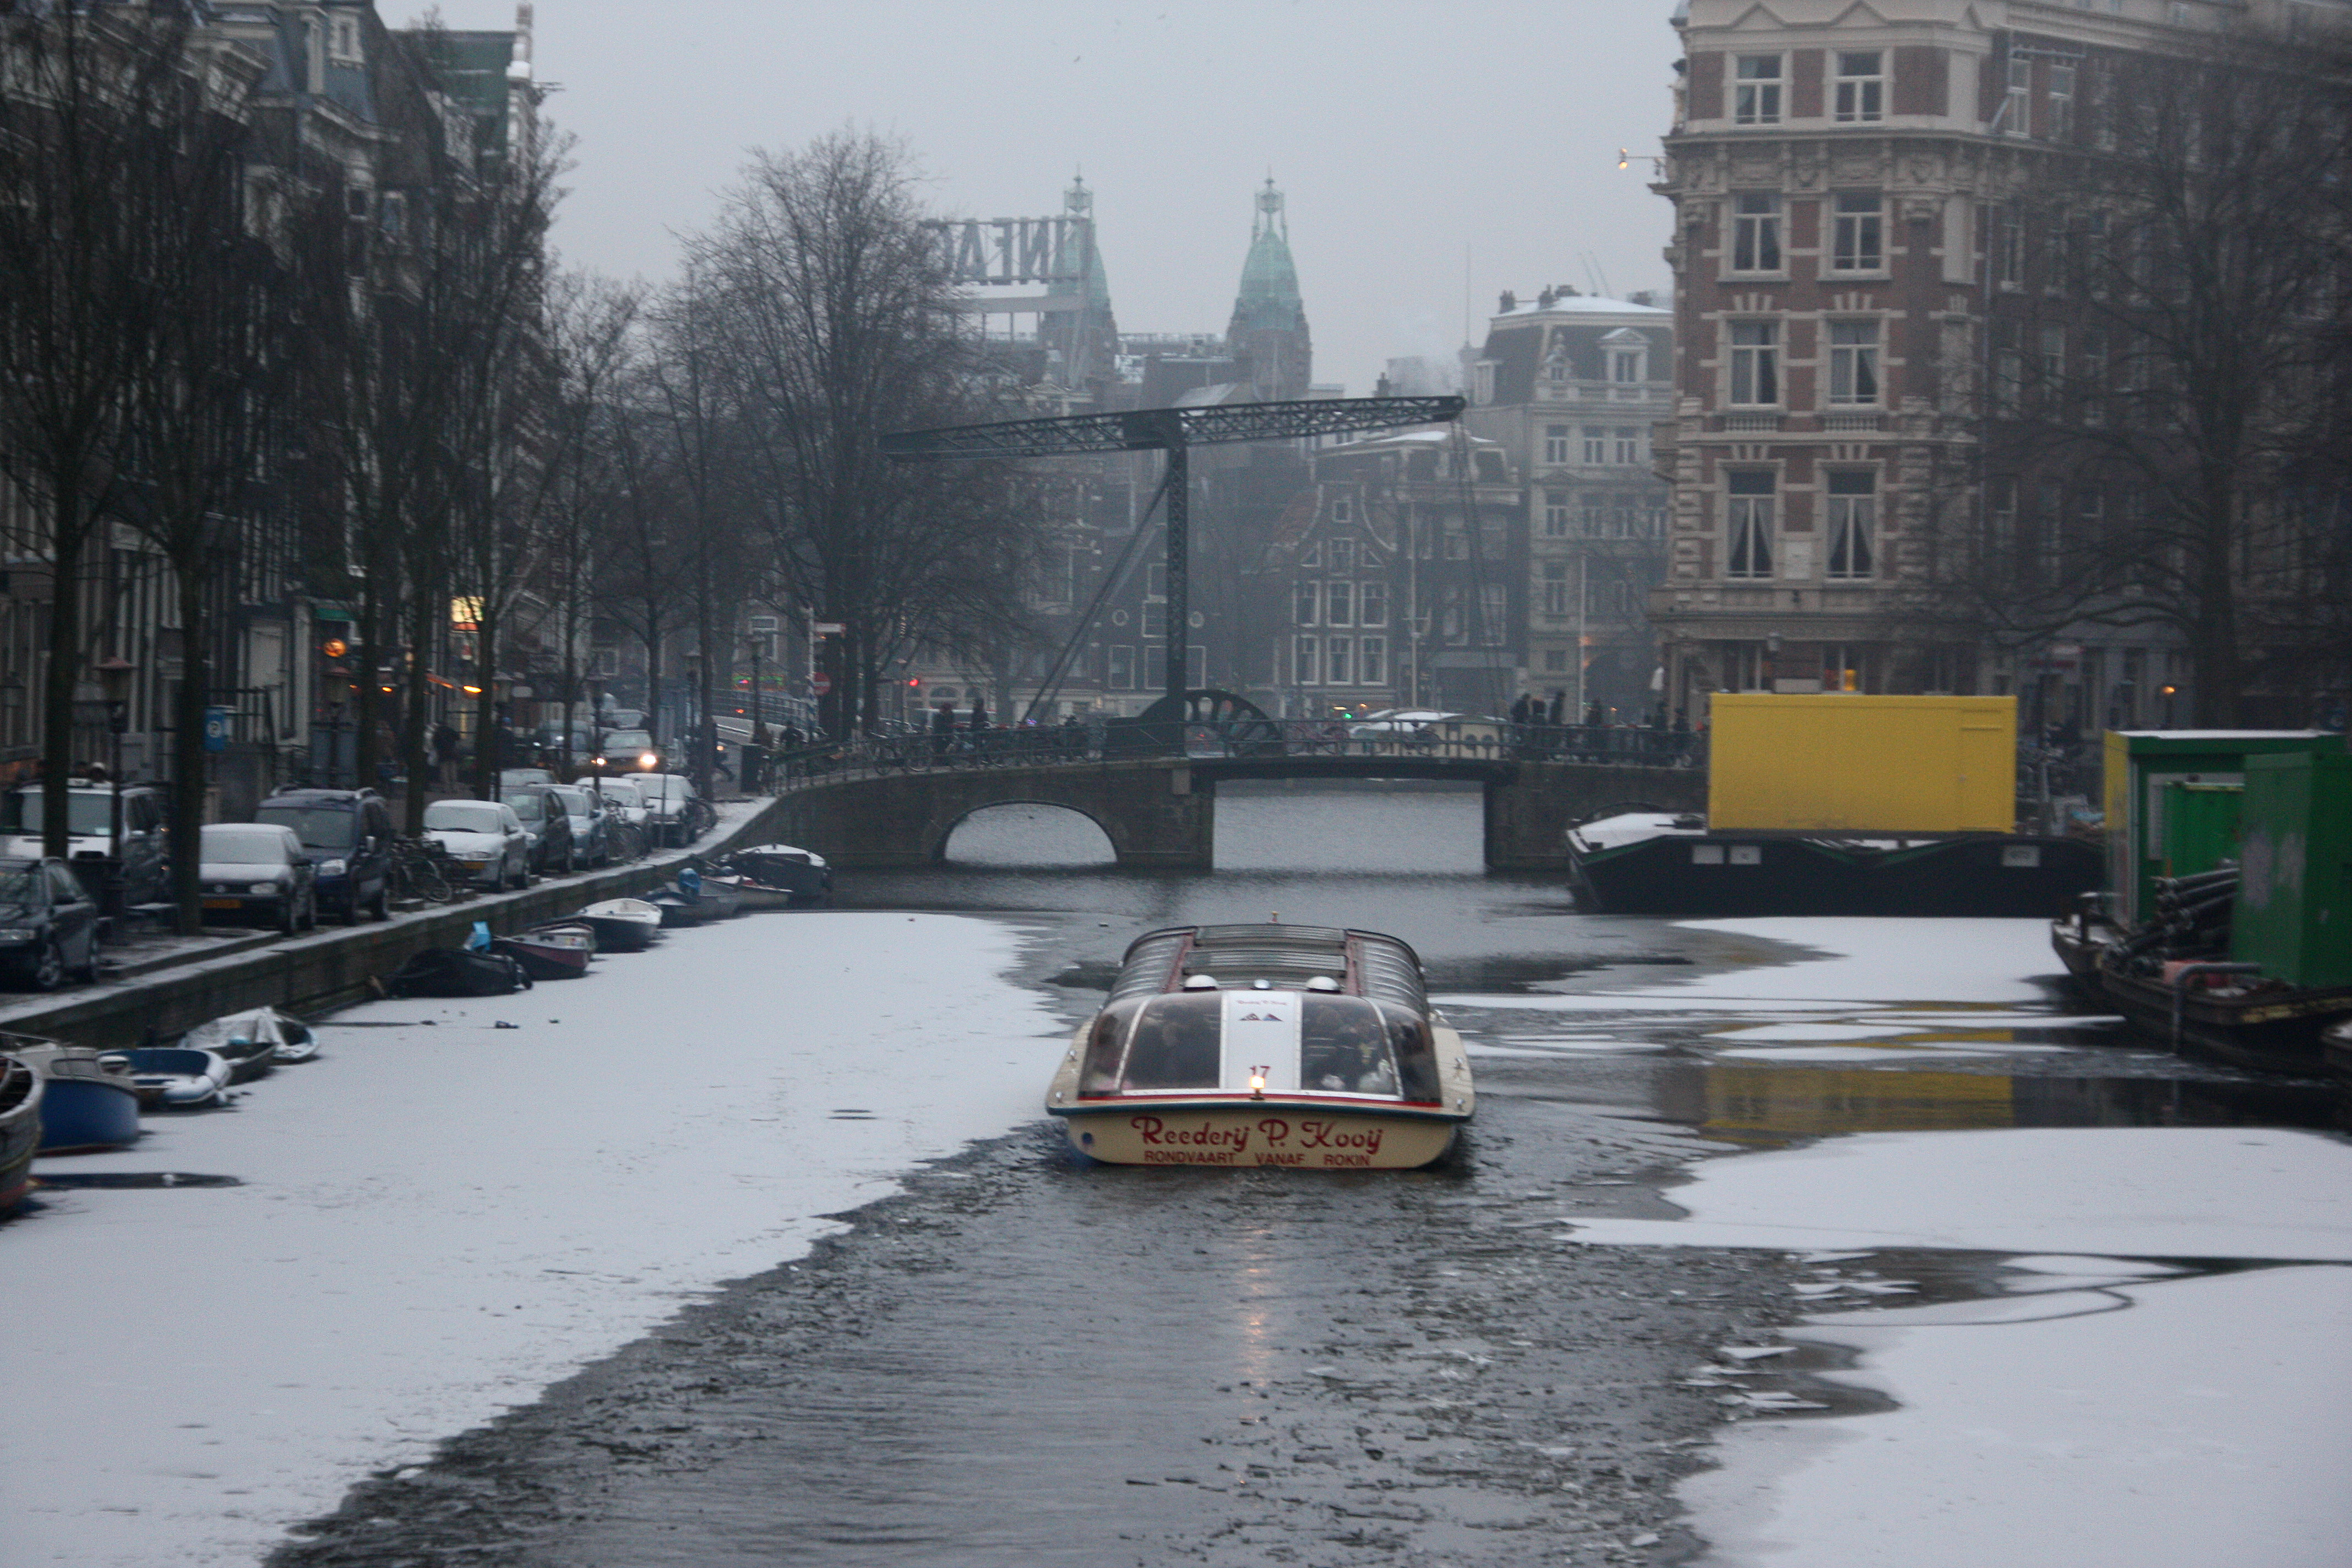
1247,738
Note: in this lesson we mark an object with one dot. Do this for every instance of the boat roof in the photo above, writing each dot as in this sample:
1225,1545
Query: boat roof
1360,962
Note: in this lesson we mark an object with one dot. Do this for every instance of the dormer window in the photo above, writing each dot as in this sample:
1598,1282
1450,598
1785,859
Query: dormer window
343,40
1629,357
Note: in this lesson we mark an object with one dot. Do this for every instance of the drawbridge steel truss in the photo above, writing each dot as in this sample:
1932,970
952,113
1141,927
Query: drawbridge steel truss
1174,431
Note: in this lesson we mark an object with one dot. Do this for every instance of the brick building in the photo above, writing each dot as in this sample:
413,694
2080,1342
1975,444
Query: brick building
1853,282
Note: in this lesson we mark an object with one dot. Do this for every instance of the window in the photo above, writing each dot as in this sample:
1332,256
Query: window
1339,508
343,40
1557,367
2017,110
1122,668
2012,246
1627,448
1853,525
1555,514
1858,233
1373,660
1494,613
1756,232
1338,661
1755,364
2092,353
2061,126
1861,88
1155,618
1628,366
1555,588
1853,362
1596,444
1483,381
1457,543
2054,358
1343,555
1749,512
1341,605
1593,515
1756,95
1307,662
2008,381
1556,443
1453,620
1373,604
1307,604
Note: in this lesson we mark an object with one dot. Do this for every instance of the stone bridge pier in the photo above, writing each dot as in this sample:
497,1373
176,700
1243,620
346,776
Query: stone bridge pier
1162,813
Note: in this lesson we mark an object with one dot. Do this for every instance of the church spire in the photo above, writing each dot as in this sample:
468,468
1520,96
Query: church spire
1269,324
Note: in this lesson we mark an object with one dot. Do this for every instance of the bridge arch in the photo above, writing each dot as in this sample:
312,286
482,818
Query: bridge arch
1039,799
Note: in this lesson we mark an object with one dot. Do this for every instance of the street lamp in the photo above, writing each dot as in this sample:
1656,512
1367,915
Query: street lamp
114,677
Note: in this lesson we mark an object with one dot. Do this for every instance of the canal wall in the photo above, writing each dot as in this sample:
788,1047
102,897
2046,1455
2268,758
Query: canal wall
1529,814
331,968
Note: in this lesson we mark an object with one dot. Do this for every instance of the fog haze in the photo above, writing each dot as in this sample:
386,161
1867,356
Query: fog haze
1403,135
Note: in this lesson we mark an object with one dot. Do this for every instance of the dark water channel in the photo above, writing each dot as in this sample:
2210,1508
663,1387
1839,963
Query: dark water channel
1020,1363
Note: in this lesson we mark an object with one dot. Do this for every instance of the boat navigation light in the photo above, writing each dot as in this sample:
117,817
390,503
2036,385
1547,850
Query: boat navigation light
1257,1086
1261,985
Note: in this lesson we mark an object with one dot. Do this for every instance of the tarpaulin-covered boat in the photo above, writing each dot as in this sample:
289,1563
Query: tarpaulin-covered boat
1266,1044
449,972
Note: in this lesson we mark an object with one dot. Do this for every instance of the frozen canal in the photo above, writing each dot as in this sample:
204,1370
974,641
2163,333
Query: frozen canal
1801,1243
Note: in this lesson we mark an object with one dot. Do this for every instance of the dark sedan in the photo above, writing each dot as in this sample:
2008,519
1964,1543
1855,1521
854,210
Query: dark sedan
547,817
48,924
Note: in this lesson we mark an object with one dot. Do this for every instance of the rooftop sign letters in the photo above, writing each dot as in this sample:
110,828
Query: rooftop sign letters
986,251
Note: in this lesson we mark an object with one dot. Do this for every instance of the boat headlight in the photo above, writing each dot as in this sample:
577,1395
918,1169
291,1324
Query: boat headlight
17,933
333,867
1257,1086
262,887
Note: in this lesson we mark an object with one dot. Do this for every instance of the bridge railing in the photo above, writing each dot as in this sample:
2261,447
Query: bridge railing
1262,739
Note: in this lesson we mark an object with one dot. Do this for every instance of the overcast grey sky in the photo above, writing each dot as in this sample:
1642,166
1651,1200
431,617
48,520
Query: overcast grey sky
1402,134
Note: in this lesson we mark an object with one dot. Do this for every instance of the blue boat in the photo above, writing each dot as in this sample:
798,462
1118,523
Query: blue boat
88,1103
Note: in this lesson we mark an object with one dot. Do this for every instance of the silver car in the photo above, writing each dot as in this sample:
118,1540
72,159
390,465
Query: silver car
259,872
484,837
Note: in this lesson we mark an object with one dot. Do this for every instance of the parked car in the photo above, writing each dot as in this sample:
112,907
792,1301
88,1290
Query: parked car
626,752
89,818
511,777
48,924
621,719
620,797
548,820
671,807
485,838
347,834
592,828
259,872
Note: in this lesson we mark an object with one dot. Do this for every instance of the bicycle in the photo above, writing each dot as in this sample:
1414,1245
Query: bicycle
418,870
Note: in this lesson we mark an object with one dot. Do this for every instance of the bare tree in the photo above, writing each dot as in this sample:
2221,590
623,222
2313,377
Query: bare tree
2165,375
841,322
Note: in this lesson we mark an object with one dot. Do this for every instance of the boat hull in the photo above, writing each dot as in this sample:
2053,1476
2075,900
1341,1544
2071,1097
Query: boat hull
544,960
751,896
1718,874
2269,1029
1297,1137
89,1115
21,1093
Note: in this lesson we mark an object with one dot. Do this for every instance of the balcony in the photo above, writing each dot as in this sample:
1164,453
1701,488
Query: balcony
1748,423
1847,424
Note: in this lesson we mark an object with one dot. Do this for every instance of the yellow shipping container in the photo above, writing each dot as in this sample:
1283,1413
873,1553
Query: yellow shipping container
1854,763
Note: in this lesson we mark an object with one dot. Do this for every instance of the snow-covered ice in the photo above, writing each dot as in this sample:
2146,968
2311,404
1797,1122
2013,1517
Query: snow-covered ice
437,1222
2192,1421
2106,1411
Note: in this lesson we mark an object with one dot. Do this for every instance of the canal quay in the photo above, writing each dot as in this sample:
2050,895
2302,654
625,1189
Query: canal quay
1776,1241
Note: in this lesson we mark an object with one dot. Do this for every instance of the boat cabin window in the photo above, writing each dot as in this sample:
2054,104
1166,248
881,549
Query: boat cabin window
1145,972
1166,1043
1343,1047
1415,1052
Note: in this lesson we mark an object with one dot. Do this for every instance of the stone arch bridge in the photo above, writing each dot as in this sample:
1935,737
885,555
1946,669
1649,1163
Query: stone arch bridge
1160,812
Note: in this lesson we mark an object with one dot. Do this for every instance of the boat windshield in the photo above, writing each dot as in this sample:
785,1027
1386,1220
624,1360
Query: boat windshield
318,827
1343,1047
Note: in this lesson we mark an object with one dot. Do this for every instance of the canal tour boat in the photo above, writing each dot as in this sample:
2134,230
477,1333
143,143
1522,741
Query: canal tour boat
1266,1044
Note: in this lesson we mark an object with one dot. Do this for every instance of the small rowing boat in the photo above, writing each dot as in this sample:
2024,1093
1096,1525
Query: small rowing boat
21,1090
622,925
549,953
178,1078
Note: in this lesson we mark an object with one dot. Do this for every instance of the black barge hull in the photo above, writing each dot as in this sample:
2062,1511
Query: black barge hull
1761,874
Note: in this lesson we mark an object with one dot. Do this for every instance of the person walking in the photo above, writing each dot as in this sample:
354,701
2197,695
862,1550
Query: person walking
943,731
979,714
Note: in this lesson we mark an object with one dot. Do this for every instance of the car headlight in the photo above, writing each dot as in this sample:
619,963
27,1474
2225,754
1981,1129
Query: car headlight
333,867
647,761
262,887
18,933
595,762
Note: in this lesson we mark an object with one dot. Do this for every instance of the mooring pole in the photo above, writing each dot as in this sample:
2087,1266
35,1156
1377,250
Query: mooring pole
1179,571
